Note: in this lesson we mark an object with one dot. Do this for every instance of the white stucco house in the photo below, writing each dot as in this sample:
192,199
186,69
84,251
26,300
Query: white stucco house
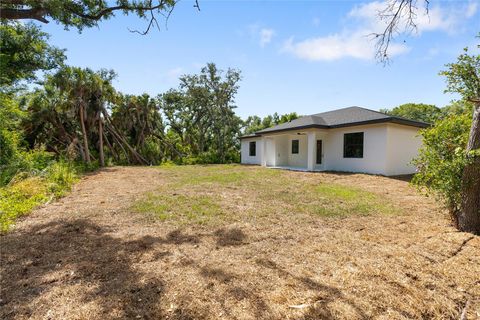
352,139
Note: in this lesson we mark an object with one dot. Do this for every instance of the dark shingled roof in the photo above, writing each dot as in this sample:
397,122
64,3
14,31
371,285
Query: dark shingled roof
345,117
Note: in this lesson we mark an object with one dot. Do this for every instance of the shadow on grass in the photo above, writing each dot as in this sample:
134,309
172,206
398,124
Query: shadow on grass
80,253
320,308
101,270
403,177
230,237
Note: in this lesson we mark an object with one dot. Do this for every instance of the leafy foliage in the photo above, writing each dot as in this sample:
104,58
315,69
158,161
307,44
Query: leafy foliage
82,13
10,117
442,159
457,107
202,125
24,51
255,123
78,114
428,113
139,119
463,76
27,191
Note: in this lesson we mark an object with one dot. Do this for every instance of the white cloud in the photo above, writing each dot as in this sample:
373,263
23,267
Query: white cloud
338,46
263,35
266,36
354,41
471,9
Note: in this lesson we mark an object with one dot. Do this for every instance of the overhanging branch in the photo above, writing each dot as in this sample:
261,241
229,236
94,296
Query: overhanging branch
21,9
19,14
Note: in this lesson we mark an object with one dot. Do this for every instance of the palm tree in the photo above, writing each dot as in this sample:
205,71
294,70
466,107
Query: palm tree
74,83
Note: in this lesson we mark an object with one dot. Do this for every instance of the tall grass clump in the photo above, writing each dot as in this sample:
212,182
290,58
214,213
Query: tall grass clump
36,180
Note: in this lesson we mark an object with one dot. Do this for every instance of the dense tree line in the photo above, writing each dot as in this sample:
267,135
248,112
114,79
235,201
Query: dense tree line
76,113
255,123
429,113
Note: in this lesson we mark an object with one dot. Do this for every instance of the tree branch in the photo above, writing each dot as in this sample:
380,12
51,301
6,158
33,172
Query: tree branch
18,14
398,13
109,10
21,9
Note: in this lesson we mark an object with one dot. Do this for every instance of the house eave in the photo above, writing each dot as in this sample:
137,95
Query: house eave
250,136
401,121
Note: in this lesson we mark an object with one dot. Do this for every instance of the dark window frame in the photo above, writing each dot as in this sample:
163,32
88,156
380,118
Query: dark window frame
353,145
318,155
295,146
254,149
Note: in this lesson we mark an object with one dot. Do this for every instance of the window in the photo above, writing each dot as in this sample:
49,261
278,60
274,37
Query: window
353,145
252,151
319,151
294,146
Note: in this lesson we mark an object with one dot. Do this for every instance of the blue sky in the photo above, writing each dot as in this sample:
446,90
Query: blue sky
303,56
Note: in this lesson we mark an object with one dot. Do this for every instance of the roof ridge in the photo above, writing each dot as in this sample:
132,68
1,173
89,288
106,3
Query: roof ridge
316,114
391,116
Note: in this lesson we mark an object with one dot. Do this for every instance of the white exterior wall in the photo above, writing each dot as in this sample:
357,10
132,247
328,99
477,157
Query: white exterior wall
282,149
374,150
320,135
387,149
300,159
244,151
403,143
270,151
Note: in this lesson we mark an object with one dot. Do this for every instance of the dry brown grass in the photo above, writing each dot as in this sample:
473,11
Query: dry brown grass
255,252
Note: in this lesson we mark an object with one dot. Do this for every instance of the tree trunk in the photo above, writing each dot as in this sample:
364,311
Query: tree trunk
469,216
78,145
100,135
84,133
121,139
110,147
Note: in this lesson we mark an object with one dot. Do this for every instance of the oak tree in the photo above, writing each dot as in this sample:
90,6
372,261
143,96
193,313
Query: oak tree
84,13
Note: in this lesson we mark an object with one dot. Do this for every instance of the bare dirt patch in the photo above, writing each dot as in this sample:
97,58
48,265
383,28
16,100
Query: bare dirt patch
91,256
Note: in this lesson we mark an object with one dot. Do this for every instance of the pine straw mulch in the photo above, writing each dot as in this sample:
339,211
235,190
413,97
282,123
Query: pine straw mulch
87,256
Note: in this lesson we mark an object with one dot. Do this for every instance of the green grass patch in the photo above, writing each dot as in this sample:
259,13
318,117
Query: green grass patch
222,178
222,175
27,191
190,195
340,200
189,208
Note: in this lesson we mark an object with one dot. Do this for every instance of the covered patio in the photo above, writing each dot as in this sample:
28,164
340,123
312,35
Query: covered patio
299,151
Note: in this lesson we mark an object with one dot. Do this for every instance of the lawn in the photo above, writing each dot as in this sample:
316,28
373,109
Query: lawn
213,194
238,242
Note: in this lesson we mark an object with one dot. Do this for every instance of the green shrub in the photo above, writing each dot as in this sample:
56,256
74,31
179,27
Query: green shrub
442,159
152,150
27,190
26,164
19,199
60,176
211,157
